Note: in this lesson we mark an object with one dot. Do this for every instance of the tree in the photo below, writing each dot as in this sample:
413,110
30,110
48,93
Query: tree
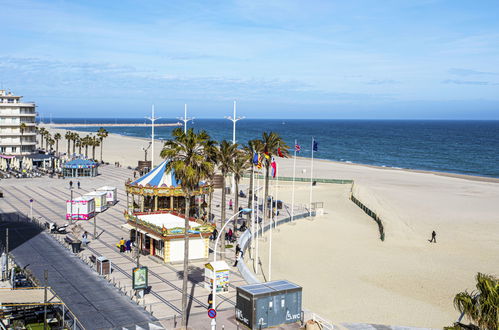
270,143
253,146
86,143
225,156
102,134
68,136
94,142
42,131
188,155
47,138
74,138
57,137
50,142
481,307
240,166
78,142
22,128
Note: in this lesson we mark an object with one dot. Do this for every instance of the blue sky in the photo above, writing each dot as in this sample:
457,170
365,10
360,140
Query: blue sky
398,59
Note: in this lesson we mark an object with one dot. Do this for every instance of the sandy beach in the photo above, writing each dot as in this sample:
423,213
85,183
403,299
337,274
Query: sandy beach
347,273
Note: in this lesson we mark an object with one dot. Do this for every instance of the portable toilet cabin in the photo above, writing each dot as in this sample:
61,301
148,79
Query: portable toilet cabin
81,208
100,200
268,304
111,194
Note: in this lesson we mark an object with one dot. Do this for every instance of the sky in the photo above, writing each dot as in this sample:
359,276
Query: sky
390,59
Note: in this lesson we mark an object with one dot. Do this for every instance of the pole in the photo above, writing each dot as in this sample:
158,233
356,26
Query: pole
45,301
185,119
152,119
234,120
273,221
214,286
95,226
311,179
293,190
7,250
257,223
253,217
71,210
31,209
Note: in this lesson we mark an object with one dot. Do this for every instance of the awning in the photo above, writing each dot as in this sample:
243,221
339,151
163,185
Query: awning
130,227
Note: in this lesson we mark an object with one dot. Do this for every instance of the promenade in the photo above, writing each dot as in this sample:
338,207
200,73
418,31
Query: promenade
164,299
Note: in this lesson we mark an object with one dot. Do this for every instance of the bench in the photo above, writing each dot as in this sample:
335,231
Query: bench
93,258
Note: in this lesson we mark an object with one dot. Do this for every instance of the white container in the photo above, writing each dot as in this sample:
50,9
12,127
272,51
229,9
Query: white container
111,194
100,200
81,208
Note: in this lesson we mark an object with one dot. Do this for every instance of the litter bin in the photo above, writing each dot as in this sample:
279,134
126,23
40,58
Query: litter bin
103,266
76,247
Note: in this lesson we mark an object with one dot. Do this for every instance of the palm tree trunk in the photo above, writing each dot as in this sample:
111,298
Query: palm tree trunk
69,146
186,259
21,140
86,150
57,147
236,204
267,179
222,221
101,149
74,146
250,192
79,148
93,152
210,201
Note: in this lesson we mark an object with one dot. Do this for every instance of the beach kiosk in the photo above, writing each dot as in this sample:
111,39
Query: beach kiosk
80,167
268,304
81,208
99,199
111,194
159,190
217,271
161,234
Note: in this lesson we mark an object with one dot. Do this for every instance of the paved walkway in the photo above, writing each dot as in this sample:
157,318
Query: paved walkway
164,299
95,302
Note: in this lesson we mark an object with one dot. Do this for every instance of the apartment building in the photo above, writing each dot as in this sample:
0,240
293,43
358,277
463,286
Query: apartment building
14,140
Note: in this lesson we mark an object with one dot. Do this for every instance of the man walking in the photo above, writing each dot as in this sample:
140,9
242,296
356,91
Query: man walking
78,184
433,237
70,184
210,300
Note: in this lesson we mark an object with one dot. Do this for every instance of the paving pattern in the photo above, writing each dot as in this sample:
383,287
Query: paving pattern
164,298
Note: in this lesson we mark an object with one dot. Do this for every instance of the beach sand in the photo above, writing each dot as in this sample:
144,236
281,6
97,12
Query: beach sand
348,274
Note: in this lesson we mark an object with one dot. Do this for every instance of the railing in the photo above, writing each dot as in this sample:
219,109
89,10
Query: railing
287,178
373,215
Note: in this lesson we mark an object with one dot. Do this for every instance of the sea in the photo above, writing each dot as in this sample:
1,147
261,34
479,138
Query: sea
462,147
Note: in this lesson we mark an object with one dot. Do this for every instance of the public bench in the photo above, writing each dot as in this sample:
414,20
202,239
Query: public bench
93,259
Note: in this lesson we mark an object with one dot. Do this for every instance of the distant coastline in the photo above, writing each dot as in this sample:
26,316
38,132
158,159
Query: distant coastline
114,125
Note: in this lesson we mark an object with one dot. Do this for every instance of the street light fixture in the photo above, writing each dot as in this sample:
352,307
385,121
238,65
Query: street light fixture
214,286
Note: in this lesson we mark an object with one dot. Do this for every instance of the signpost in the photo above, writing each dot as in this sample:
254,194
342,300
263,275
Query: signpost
212,313
31,209
140,280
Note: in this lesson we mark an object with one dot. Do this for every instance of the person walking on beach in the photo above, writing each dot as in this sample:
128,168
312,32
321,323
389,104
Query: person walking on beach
433,237
238,257
78,184
128,246
70,184
121,245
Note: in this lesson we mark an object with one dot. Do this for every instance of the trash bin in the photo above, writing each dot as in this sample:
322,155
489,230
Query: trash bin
76,247
103,266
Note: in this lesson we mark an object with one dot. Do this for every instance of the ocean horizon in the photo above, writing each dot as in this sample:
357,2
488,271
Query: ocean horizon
452,146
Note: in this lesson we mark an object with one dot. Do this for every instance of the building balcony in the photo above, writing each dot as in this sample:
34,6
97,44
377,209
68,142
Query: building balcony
7,124
5,142
18,114
16,134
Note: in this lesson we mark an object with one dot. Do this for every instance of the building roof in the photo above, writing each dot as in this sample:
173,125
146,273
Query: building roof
166,220
158,177
269,287
80,163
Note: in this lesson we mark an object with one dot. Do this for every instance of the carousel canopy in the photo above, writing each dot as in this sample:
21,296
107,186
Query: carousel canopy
80,163
158,177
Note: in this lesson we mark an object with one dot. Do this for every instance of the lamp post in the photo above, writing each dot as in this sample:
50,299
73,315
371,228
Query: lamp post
234,120
31,209
185,119
152,119
214,286
71,210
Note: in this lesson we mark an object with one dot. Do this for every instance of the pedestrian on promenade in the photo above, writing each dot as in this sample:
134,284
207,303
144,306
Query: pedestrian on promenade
433,237
229,234
230,204
238,257
78,184
210,300
128,246
243,226
214,234
70,184
84,239
121,245
238,249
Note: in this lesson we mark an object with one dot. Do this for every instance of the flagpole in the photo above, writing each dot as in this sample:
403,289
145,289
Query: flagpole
311,179
252,195
293,191
257,220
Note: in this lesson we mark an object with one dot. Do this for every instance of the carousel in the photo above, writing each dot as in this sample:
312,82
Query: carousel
156,216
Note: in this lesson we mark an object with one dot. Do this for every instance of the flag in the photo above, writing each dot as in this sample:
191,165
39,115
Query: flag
279,152
297,147
266,154
316,145
259,162
255,158
274,167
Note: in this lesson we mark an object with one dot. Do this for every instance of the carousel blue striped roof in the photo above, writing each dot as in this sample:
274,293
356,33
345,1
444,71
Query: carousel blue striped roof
80,163
158,177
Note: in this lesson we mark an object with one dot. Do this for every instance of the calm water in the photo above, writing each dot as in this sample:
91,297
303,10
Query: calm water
467,147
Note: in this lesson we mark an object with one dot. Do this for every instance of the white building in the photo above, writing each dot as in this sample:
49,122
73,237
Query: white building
14,112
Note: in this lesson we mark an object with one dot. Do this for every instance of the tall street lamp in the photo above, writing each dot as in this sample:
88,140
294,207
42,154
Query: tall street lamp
214,289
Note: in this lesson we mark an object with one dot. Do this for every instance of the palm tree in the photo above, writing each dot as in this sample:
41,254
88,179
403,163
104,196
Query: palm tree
57,137
102,134
50,142
42,131
481,307
74,137
188,155
225,156
240,166
47,138
270,143
86,143
94,142
68,136
253,146
22,128
78,142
